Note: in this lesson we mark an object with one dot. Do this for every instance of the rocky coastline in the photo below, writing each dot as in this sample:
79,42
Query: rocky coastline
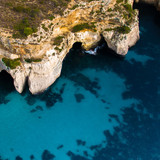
37,60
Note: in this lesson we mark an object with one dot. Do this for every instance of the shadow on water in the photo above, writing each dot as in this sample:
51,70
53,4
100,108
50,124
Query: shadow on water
6,86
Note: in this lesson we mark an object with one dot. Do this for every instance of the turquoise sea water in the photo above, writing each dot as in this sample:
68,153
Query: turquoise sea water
102,107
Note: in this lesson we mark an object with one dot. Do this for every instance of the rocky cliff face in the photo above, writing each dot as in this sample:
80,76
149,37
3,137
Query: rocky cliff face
38,59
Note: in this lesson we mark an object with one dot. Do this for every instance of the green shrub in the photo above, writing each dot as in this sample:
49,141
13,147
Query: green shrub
123,29
117,8
32,12
11,63
33,60
42,1
50,25
44,27
28,31
92,12
74,7
125,16
20,26
58,40
23,29
34,29
110,10
58,49
109,29
83,26
16,35
18,8
119,1
51,17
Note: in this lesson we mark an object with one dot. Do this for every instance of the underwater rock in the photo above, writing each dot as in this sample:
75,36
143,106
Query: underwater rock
47,155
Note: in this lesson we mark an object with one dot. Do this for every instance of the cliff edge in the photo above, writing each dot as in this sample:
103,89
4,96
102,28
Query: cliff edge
36,57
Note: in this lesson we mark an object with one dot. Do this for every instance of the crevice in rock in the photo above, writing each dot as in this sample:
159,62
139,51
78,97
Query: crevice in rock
26,86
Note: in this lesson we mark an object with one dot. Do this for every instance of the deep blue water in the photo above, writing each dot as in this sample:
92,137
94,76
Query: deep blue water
102,107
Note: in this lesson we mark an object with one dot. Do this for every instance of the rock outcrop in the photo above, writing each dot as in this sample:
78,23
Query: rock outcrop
38,59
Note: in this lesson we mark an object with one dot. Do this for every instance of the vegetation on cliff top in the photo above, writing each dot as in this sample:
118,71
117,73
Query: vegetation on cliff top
58,40
24,16
121,29
83,26
11,63
33,60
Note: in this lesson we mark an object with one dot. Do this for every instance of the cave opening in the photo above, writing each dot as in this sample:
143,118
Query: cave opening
6,82
77,45
101,46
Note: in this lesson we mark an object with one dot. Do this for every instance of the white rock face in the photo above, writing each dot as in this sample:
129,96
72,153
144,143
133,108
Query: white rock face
19,79
121,43
43,75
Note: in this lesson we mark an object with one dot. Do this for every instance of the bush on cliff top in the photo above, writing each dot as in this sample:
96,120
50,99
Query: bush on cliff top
119,1
33,60
83,26
58,40
28,31
123,29
23,29
11,63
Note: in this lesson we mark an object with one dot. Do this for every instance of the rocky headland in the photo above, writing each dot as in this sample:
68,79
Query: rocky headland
37,57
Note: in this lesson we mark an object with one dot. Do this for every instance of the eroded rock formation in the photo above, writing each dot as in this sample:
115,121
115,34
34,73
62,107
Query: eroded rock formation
38,59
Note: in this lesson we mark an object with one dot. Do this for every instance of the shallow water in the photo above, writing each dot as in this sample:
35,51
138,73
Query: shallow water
102,107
